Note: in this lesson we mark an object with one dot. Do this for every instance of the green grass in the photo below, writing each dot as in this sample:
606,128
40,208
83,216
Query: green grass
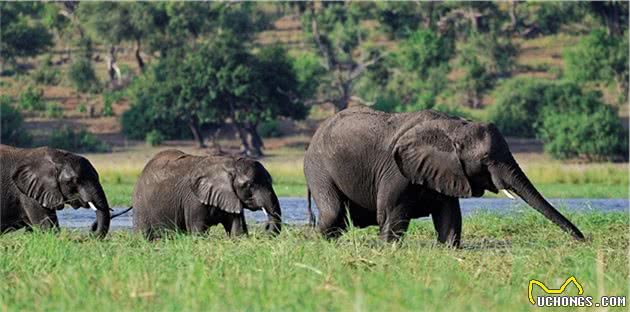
300,271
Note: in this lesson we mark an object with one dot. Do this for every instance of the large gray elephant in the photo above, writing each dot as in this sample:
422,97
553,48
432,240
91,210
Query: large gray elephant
389,168
37,182
178,191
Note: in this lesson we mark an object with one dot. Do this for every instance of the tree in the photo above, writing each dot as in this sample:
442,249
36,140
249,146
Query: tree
344,45
21,32
601,58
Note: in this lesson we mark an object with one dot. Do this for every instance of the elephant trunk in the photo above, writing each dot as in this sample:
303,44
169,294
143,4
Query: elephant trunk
99,201
271,206
512,177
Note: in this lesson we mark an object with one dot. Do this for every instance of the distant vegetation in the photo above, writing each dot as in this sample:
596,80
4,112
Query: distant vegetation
196,67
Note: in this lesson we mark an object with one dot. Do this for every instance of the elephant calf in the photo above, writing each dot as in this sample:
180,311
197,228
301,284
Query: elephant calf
38,181
178,191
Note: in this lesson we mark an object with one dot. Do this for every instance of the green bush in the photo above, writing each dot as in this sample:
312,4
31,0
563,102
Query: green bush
77,141
54,110
269,129
519,101
82,76
592,131
46,73
82,108
32,99
391,103
12,124
140,120
154,138
109,98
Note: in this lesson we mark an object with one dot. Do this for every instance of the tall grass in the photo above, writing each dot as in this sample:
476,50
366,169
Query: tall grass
299,271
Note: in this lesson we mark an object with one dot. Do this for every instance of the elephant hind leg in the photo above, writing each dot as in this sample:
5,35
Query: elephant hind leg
332,215
447,220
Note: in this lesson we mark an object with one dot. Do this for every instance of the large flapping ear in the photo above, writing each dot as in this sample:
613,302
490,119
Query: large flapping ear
37,179
426,155
213,187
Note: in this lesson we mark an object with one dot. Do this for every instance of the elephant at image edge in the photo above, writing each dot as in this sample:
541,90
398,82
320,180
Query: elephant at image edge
389,168
178,191
39,181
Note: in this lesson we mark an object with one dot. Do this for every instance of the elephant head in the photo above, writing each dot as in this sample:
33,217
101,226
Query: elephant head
55,178
463,159
236,184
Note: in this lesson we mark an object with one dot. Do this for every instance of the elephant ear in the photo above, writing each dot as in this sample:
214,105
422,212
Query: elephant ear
426,155
37,179
213,187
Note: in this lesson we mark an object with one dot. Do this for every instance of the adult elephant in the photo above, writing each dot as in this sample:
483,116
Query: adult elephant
39,181
389,168
178,191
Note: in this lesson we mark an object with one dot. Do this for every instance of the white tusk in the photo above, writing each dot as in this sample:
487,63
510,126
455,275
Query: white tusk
92,206
508,194
265,211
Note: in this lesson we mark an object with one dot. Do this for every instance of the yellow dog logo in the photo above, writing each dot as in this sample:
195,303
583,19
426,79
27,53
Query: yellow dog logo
554,291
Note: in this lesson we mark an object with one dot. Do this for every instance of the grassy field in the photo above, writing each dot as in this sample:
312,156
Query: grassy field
554,179
300,271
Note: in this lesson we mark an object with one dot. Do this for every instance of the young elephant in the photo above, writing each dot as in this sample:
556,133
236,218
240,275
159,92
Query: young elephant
386,169
178,191
38,181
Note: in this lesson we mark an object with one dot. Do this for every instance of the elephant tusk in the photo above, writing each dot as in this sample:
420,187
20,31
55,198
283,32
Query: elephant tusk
92,206
265,211
508,194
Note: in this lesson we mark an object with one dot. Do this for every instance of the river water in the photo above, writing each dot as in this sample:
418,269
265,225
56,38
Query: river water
294,210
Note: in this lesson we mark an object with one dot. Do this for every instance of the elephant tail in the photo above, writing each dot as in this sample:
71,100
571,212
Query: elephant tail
94,225
312,221
121,213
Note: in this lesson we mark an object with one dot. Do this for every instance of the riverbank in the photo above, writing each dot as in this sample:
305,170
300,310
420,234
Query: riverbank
299,270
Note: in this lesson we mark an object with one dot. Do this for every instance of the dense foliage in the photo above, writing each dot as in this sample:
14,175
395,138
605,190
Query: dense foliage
12,123
79,141
583,127
188,69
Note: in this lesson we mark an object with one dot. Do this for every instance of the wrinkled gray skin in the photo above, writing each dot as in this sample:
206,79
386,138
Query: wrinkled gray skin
389,168
178,191
39,181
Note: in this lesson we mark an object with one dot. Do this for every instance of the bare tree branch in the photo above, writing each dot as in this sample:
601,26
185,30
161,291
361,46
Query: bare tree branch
325,49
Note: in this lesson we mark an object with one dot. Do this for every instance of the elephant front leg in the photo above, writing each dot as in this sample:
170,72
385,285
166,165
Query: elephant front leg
394,225
447,220
235,225
41,217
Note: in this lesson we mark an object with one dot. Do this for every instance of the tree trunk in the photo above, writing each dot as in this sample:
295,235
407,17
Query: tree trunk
112,67
196,132
139,57
240,133
251,141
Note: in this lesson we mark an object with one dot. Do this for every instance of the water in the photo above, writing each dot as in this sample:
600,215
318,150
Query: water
294,210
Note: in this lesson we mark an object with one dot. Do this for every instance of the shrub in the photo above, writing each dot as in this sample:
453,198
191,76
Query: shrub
32,99
154,138
592,131
46,74
269,129
54,110
77,141
82,108
140,119
109,98
519,101
12,130
82,76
